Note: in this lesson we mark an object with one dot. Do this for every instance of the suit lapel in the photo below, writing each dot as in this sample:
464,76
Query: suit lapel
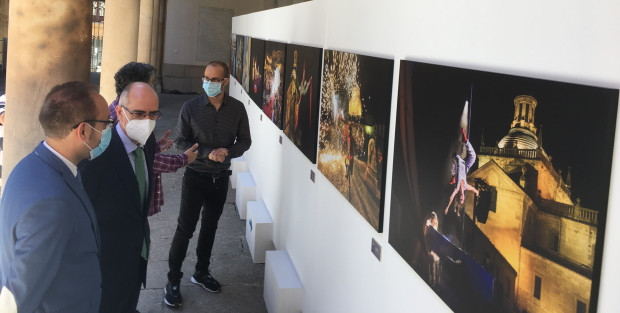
54,162
125,170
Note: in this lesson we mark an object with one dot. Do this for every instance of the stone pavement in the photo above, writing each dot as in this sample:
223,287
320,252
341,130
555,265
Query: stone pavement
231,262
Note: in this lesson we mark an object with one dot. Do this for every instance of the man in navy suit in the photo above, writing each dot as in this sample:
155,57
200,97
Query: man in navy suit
119,183
49,237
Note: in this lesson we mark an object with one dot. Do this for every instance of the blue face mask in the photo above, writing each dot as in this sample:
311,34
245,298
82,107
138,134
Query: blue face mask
106,135
211,88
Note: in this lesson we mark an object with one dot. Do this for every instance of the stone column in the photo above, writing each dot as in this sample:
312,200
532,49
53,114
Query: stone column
145,30
49,44
155,32
120,41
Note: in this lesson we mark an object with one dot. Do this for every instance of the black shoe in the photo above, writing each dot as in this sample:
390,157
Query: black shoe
206,281
173,294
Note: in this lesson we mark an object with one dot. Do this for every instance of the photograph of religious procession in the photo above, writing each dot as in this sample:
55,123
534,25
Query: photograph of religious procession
273,87
301,105
356,94
257,59
494,211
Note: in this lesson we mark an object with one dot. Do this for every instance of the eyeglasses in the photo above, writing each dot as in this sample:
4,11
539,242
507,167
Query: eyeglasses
213,80
155,115
109,122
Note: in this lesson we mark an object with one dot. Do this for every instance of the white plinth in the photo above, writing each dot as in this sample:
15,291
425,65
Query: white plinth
282,289
258,230
237,165
246,191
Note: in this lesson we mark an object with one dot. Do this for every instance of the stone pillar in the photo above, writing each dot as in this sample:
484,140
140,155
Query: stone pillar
145,30
120,42
155,32
47,46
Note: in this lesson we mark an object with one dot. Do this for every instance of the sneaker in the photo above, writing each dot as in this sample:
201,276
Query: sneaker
173,294
206,281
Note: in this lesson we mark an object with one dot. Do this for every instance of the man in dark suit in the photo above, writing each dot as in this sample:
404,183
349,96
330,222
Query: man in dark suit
119,183
49,237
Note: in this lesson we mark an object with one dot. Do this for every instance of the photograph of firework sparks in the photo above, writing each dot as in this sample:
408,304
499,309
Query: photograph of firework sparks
273,89
245,76
356,93
257,57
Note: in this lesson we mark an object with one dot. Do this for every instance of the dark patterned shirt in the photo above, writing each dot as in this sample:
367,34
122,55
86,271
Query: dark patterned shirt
199,122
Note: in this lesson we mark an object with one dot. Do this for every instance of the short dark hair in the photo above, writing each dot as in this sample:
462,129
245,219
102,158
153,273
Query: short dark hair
132,72
66,105
222,65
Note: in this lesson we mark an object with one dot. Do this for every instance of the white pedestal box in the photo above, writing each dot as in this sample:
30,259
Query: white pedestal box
282,291
258,230
237,165
246,191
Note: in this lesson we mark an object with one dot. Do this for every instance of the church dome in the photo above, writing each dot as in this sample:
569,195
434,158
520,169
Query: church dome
519,138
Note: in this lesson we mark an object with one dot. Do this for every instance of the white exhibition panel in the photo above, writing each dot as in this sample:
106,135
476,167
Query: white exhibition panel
327,240
282,290
246,191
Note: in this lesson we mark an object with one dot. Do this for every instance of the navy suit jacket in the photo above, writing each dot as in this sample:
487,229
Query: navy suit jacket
112,186
49,239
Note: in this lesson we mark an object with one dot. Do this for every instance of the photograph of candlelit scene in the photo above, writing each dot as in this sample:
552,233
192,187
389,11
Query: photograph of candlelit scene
494,211
257,57
356,94
301,105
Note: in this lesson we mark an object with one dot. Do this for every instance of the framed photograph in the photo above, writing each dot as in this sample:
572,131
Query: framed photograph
301,106
493,211
273,87
356,94
257,59
233,55
239,57
245,76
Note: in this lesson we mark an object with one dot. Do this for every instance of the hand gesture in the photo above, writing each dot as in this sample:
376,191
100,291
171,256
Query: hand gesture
164,142
218,155
191,153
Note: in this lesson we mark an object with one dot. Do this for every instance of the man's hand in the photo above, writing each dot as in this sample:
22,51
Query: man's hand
218,155
191,153
165,143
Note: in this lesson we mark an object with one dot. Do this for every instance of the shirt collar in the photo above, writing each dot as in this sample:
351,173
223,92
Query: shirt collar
127,143
72,167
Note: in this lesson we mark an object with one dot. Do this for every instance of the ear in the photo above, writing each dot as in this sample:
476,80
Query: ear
80,132
119,112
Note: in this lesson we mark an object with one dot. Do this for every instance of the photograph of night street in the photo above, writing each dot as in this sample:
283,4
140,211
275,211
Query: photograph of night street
356,94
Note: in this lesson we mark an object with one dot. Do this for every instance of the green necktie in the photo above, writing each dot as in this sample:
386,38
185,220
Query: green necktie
141,177
140,173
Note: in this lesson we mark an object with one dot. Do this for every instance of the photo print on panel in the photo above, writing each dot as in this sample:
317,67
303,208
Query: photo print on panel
356,92
301,106
257,59
233,55
273,87
493,211
245,76
239,58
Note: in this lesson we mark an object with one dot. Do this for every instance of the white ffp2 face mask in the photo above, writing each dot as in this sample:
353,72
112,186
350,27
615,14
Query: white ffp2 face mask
139,130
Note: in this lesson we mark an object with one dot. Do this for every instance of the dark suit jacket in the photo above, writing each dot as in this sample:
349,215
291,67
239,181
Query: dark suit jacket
49,239
111,184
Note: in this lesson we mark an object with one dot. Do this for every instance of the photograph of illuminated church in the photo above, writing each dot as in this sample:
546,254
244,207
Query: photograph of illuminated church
500,186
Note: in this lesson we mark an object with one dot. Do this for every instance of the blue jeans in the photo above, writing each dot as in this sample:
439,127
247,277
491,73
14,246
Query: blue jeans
199,191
